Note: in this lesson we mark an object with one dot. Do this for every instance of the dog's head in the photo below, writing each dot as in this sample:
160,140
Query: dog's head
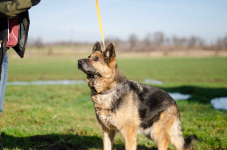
99,63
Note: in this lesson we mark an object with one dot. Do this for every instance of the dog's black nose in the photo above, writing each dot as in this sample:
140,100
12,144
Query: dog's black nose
80,61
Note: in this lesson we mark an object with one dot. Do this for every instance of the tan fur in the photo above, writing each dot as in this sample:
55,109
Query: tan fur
166,120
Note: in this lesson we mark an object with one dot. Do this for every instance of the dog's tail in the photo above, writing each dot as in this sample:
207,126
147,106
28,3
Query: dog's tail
188,141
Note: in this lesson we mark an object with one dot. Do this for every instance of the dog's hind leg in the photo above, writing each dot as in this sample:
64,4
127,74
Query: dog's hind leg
163,127
176,134
108,138
161,138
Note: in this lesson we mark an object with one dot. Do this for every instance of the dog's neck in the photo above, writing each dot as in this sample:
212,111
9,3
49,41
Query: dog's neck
102,85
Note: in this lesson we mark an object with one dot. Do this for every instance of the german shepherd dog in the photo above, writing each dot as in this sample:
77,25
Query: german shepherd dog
129,107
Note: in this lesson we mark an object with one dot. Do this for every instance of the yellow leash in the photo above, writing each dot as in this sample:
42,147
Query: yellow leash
100,22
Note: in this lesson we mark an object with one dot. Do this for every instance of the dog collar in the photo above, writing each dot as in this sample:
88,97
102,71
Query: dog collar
106,92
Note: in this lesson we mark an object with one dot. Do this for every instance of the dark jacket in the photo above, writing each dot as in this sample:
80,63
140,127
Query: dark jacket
10,9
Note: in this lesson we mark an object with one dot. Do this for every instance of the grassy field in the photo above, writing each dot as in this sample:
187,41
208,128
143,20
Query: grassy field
62,116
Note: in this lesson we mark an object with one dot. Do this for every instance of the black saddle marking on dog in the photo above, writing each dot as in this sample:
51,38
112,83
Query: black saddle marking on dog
153,100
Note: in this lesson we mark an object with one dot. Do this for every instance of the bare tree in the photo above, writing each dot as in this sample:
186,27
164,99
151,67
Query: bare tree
225,41
158,38
184,41
201,42
192,42
167,41
38,42
148,42
175,40
148,39
133,40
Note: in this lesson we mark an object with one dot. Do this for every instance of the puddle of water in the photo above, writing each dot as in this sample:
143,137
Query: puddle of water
152,81
51,82
219,103
179,96
176,96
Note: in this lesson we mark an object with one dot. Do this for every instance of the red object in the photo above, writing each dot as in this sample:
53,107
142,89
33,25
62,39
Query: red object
13,32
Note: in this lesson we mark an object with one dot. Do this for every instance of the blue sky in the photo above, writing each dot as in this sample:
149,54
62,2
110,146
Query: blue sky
57,20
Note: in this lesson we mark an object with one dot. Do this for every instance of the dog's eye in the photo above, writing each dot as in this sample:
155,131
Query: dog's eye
89,56
96,59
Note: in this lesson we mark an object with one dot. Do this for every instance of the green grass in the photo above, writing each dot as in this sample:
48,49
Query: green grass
184,70
62,116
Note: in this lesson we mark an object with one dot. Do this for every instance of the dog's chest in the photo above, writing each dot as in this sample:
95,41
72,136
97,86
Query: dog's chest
102,105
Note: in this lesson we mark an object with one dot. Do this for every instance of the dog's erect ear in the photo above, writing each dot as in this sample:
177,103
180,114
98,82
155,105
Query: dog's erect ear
110,51
96,47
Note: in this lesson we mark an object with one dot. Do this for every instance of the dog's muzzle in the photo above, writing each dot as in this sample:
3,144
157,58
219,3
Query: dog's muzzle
86,67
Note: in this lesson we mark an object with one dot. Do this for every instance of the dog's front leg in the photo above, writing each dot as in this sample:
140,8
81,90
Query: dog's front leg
130,135
108,138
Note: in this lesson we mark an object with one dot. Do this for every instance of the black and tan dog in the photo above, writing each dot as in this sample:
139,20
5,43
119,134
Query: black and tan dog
129,107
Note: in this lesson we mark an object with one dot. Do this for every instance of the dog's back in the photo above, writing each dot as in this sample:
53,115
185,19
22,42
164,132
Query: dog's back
152,102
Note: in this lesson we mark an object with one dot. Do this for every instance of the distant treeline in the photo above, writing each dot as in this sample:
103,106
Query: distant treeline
152,42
